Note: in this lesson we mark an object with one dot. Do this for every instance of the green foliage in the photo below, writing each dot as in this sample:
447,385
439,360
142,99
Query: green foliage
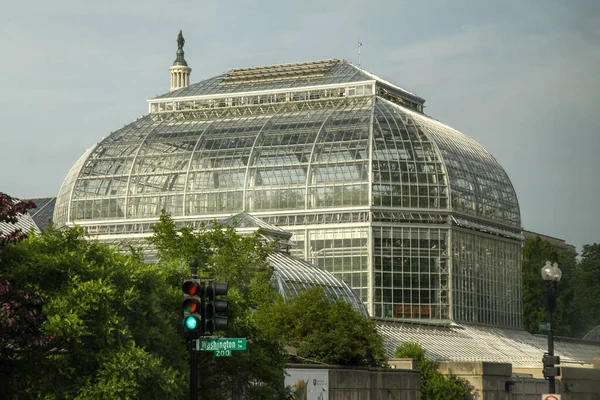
587,292
101,310
222,254
21,339
410,350
567,316
11,210
131,373
258,372
577,301
325,330
434,385
535,253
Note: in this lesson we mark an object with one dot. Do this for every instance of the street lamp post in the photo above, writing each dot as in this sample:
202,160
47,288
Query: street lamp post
551,274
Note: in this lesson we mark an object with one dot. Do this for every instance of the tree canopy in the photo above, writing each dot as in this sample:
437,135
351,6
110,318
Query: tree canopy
223,254
325,330
101,310
82,320
10,211
535,254
587,292
20,310
577,302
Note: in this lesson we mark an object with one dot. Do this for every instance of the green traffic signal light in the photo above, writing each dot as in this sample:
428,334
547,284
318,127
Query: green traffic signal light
190,323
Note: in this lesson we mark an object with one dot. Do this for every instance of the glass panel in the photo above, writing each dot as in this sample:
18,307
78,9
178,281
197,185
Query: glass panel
407,171
344,253
486,280
410,273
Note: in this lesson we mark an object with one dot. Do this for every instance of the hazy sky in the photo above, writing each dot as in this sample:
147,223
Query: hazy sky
521,77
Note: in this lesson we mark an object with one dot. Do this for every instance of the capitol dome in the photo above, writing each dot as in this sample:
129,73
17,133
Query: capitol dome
417,218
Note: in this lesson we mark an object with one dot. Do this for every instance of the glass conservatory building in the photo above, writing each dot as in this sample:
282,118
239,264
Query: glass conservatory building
417,218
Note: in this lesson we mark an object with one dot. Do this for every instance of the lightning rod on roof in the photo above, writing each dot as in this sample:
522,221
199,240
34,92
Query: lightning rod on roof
359,46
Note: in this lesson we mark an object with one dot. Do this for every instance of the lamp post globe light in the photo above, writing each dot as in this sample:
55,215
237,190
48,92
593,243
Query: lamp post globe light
551,275
551,272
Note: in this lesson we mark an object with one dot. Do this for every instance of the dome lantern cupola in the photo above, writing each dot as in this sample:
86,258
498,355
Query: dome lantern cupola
180,72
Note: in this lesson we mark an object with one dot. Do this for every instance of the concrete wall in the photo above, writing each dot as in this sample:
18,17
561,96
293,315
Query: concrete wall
355,384
573,386
492,381
580,383
524,388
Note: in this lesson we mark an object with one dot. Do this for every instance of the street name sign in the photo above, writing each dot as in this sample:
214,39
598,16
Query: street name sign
222,346
544,326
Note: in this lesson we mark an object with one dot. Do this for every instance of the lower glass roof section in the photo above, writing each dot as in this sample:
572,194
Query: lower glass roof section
293,276
452,342
593,334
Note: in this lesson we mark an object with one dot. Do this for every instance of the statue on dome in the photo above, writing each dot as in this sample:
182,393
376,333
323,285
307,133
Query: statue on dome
180,41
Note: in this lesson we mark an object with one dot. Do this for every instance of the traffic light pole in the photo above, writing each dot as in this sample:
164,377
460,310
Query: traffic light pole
201,309
193,353
193,370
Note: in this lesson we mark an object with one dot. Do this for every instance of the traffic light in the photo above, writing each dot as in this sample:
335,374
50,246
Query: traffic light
550,368
193,306
215,308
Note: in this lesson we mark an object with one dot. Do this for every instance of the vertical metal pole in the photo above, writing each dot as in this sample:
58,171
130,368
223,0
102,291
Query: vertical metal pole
551,302
193,353
193,370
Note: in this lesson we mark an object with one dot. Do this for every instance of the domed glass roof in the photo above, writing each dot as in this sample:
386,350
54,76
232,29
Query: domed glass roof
363,143
417,218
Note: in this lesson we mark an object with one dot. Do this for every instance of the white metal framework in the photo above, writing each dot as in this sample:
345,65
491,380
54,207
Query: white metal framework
419,219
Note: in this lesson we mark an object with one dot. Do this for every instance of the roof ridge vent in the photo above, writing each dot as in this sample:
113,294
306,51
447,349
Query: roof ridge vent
275,72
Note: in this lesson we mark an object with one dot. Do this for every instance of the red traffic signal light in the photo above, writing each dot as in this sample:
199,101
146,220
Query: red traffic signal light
192,287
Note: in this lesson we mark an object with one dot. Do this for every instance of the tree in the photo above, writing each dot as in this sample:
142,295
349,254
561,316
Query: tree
20,336
535,253
111,320
223,254
566,317
587,291
10,211
434,385
326,330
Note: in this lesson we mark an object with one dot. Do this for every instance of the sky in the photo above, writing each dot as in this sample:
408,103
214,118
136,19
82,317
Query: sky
522,77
